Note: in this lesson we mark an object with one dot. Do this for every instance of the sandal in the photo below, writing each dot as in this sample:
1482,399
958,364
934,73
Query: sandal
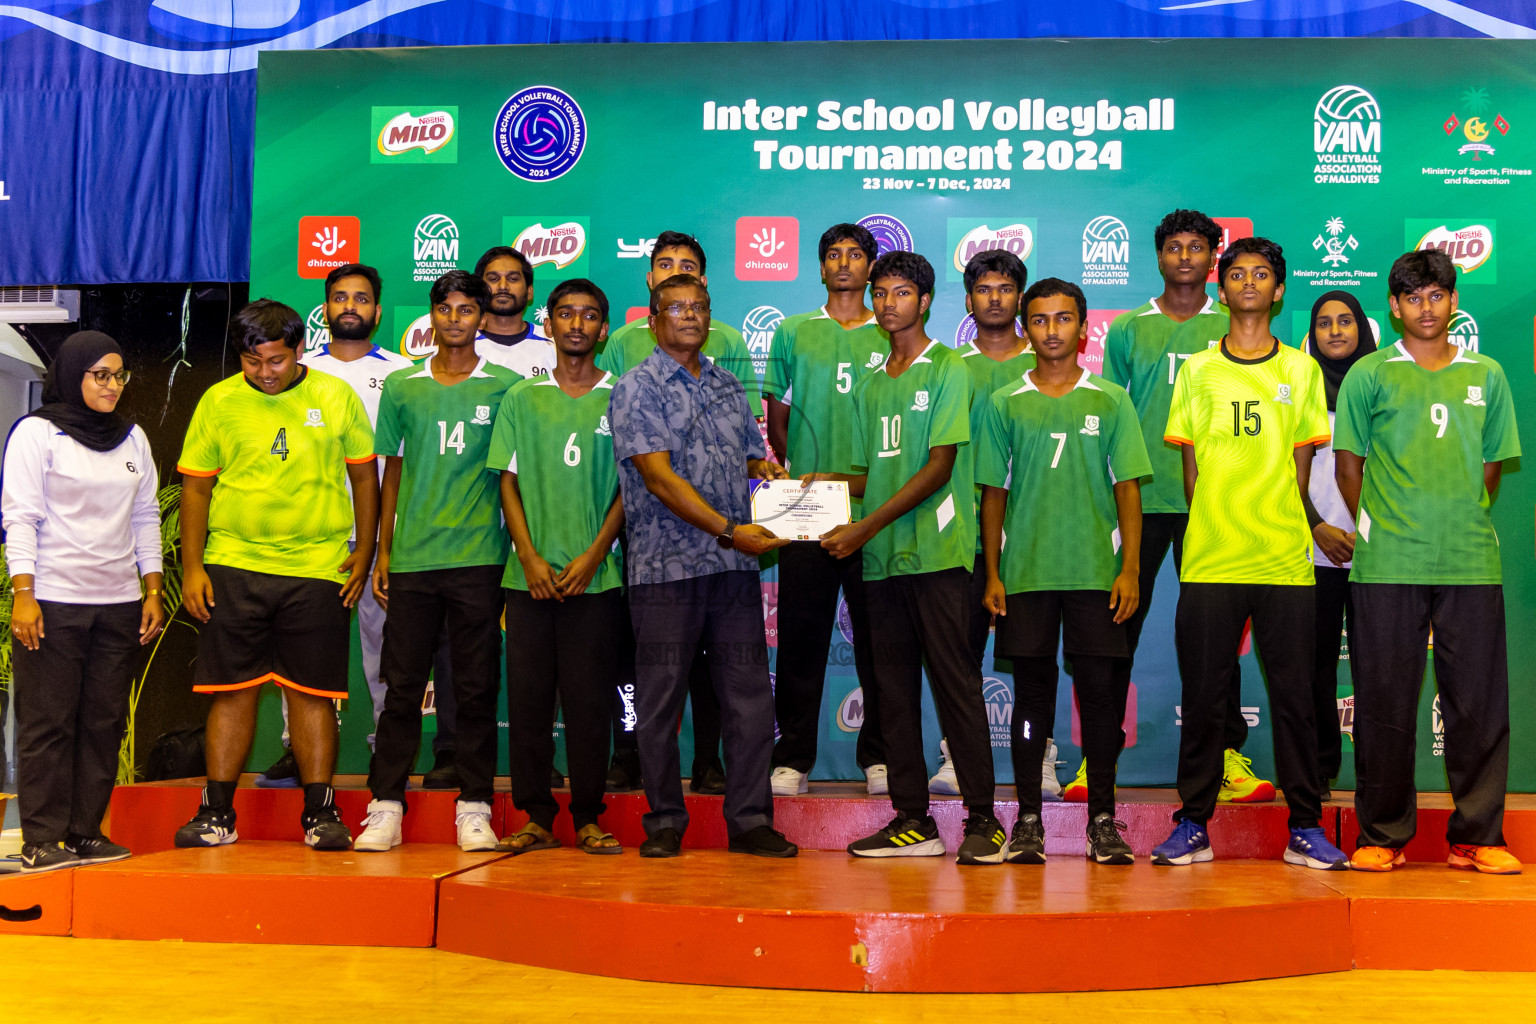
591,839
529,838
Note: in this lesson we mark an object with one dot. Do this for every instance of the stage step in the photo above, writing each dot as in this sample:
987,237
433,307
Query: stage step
39,904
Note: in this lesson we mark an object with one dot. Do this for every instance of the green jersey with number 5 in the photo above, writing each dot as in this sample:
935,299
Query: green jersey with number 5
448,515
1057,455
561,449
1425,435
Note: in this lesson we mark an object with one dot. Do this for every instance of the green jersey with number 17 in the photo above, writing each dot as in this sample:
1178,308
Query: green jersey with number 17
896,420
448,514
1143,351
561,449
1425,435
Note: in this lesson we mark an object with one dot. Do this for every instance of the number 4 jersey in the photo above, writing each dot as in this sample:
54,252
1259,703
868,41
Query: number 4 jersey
1245,419
448,514
1425,435
280,505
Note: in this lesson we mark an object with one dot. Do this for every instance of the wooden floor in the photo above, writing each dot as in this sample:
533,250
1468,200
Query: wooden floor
89,980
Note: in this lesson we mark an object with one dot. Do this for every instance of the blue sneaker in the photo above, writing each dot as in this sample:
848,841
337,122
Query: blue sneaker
1310,848
1187,845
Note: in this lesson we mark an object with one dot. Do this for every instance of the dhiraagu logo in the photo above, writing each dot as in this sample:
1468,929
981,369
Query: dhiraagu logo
415,135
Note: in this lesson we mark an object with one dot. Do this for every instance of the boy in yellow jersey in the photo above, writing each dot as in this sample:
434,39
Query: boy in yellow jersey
265,518
1248,415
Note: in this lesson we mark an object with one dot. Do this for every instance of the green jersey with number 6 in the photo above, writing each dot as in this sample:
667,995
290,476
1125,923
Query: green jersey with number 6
1425,436
1245,420
987,375
561,449
1143,351
281,504
448,515
814,364
1059,458
627,347
896,420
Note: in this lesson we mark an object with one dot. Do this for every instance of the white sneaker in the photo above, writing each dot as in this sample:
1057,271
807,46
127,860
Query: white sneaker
788,782
381,829
473,820
1050,785
944,781
875,782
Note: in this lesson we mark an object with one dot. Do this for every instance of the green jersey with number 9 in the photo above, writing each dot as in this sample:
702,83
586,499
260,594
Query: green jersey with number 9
448,515
561,449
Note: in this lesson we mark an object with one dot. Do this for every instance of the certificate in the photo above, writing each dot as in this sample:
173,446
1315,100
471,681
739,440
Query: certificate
795,511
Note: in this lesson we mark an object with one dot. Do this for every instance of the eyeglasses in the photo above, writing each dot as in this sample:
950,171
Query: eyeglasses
102,376
678,310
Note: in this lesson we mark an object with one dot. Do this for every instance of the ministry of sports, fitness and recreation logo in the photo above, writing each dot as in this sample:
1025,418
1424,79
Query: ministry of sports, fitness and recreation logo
969,236
434,247
1463,330
1475,129
757,331
891,235
317,330
1334,244
999,702
540,133
1337,243
1470,246
560,243
1106,252
400,136
1090,426
850,711
1346,137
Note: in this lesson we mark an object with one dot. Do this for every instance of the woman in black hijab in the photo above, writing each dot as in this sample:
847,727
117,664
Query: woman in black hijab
82,518
1339,337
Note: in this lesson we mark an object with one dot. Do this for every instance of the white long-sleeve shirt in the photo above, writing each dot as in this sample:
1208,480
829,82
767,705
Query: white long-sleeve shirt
85,524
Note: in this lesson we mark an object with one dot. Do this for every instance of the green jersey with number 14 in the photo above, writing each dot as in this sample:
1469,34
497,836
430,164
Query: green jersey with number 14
561,449
448,514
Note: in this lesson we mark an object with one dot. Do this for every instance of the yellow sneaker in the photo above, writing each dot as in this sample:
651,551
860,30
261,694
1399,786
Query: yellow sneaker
1238,785
1077,790
1490,860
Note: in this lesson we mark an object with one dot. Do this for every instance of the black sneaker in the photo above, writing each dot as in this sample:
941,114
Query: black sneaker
36,857
444,773
1027,843
1104,843
623,777
666,843
208,827
284,773
710,781
96,849
763,842
984,841
903,837
324,829
556,780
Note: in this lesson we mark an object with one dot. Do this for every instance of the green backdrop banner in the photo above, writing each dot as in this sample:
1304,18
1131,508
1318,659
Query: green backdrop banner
1066,153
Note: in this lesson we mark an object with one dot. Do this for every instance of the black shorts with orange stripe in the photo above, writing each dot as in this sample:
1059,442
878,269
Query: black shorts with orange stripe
289,630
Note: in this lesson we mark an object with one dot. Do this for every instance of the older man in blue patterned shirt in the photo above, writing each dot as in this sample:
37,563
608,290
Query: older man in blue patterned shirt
686,444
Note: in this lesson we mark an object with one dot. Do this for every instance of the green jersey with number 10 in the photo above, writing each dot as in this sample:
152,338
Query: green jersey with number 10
561,449
448,514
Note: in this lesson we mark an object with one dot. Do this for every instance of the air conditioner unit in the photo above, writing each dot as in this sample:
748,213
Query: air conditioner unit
38,305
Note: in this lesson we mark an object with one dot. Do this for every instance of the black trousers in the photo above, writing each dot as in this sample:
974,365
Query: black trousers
701,694
71,706
468,601
565,648
724,613
976,636
1472,674
1208,630
913,620
1335,611
809,579
1161,531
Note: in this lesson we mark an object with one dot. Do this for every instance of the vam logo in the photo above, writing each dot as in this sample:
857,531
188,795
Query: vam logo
1106,252
1470,247
563,245
435,247
317,330
1463,330
850,713
1346,137
1437,727
757,331
999,703
400,136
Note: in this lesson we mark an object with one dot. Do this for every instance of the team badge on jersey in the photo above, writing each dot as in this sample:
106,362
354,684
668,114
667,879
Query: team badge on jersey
1284,397
875,359
603,428
482,415
1475,396
921,403
315,419
1090,426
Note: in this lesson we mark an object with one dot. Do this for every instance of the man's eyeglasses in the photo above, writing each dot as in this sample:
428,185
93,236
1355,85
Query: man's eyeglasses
102,376
678,310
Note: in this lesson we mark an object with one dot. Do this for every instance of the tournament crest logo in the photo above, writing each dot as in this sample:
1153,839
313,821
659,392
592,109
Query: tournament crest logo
1474,396
482,415
920,402
891,235
540,133
1090,426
